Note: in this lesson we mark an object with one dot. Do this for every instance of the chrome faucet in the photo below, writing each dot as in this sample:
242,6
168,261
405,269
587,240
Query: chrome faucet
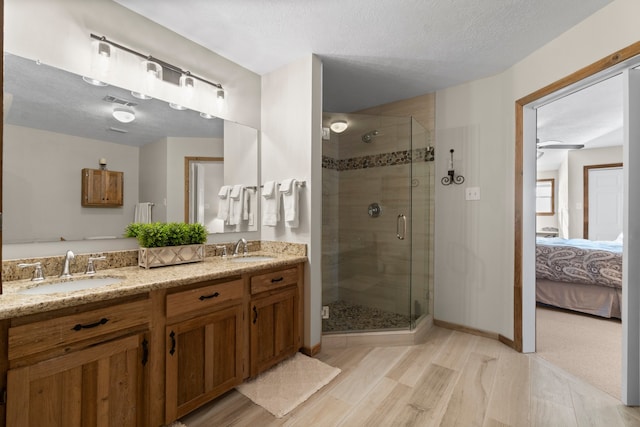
65,267
243,242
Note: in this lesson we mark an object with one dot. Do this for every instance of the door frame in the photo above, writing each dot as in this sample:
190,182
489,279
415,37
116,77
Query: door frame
585,193
525,115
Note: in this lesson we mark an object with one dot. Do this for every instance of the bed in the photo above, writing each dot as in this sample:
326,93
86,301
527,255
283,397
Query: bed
580,275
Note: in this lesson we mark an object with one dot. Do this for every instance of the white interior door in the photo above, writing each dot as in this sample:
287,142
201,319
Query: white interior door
605,203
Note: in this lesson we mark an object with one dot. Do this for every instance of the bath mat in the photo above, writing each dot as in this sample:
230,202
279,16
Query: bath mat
283,387
176,424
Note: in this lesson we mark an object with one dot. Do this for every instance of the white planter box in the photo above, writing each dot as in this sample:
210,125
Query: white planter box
170,255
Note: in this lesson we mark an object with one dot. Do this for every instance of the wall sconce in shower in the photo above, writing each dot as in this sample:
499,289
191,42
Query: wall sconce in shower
339,126
451,177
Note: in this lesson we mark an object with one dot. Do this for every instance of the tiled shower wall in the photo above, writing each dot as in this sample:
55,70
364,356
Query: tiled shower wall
363,261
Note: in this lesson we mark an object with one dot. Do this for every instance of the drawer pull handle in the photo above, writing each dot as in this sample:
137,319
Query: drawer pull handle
279,279
145,352
255,315
172,335
80,326
204,297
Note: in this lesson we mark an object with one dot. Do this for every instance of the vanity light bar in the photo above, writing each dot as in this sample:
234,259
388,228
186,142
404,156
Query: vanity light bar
154,59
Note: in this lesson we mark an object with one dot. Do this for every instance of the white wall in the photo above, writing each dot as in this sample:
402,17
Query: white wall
474,240
291,148
42,191
67,45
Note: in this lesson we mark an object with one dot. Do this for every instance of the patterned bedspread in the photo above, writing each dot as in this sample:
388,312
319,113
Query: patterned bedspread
579,261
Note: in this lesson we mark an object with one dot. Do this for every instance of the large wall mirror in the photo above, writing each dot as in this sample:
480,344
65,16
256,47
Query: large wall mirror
56,124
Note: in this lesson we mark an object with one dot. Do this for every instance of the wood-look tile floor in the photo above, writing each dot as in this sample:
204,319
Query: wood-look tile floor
453,379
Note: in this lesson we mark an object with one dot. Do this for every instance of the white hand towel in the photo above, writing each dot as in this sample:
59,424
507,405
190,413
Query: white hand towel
235,209
216,226
271,205
268,188
223,203
142,212
289,189
246,206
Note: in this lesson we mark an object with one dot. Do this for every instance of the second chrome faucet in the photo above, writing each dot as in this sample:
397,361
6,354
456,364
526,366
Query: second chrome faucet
65,267
242,242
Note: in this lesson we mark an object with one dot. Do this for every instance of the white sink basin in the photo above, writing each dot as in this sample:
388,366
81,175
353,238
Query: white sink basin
71,285
253,258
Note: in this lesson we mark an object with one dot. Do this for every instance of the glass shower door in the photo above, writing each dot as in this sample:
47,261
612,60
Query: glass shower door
367,230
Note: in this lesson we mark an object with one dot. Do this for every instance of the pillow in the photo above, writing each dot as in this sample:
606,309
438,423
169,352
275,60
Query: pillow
619,238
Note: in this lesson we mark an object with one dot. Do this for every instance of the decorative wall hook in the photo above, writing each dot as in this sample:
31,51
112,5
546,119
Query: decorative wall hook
451,177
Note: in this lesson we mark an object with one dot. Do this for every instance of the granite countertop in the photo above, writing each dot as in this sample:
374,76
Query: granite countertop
135,280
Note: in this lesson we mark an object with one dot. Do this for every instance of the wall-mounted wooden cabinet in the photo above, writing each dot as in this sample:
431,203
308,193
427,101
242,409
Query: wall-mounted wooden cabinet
102,188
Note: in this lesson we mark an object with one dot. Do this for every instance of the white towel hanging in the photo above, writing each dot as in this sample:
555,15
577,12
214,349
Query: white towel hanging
223,203
235,207
290,198
271,205
142,212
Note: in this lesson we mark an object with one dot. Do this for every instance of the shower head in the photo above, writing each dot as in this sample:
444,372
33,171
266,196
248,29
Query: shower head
368,137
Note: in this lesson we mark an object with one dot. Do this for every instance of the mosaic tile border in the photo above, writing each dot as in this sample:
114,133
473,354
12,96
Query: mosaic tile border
379,160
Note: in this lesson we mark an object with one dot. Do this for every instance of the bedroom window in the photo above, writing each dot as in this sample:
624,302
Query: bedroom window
545,200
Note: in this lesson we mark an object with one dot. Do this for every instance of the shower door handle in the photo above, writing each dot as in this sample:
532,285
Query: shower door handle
401,231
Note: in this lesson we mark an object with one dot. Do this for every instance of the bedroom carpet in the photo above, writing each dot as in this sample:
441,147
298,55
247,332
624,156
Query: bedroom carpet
586,346
283,387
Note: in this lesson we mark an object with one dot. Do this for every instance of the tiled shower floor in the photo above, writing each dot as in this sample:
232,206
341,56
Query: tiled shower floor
345,317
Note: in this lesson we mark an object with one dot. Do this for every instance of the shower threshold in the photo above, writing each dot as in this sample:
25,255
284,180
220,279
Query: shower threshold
347,317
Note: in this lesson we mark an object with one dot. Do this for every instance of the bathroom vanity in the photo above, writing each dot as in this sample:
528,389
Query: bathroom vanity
150,348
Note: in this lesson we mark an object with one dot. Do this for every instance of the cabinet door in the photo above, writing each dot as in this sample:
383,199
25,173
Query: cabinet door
91,187
203,360
112,188
98,386
274,326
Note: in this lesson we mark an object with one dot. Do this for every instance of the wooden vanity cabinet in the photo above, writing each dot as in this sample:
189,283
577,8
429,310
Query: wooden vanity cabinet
102,188
204,345
275,317
86,368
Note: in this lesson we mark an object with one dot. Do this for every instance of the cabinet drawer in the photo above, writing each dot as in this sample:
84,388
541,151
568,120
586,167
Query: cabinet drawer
203,297
274,280
45,335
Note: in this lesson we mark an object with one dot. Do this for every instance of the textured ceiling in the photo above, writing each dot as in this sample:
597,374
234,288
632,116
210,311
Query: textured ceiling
46,98
373,52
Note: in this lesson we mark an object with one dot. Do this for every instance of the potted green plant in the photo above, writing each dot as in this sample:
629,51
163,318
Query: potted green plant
170,243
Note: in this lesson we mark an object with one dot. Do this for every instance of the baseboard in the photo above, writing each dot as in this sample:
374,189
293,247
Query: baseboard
311,351
507,341
466,329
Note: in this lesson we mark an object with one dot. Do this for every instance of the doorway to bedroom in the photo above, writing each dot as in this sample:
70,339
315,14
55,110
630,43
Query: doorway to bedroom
579,275
621,63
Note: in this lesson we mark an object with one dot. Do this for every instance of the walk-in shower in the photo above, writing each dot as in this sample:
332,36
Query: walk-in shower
377,204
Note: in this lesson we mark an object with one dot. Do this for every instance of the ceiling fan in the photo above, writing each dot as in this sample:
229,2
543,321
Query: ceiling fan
554,145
